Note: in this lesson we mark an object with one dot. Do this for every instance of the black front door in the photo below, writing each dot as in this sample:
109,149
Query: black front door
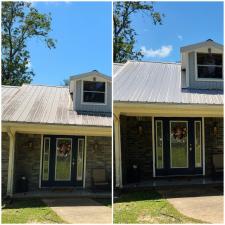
60,157
178,146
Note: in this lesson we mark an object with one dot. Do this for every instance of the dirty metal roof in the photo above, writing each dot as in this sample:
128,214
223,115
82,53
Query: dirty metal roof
157,82
46,105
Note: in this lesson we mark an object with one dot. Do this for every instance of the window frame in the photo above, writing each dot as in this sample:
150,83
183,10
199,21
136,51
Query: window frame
93,103
80,178
43,157
196,69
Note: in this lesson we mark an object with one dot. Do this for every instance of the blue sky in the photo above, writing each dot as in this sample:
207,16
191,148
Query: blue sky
184,23
84,41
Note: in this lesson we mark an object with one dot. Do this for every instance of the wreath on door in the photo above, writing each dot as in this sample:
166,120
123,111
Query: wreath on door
64,149
179,132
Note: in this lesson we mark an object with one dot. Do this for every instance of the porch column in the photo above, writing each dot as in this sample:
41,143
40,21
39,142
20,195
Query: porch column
117,152
11,162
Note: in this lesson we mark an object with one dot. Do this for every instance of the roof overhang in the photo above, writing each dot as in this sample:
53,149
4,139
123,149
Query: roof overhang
167,110
55,129
208,43
92,73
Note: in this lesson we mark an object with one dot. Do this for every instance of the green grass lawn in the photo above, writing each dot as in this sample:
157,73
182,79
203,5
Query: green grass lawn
28,211
147,207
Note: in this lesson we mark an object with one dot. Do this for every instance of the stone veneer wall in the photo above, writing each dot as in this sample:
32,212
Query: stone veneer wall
100,158
136,146
5,161
213,143
27,159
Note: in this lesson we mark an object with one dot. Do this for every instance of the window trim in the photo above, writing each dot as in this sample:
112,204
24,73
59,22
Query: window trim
80,178
195,123
171,154
157,166
56,144
43,157
206,79
93,103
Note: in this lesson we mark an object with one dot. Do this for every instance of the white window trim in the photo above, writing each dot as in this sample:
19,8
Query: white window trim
93,103
200,143
56,158
187,163
82,171
160,121
43,156
205,79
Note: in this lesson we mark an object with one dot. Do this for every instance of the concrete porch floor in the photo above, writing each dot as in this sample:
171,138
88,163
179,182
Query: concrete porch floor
63,193
174,181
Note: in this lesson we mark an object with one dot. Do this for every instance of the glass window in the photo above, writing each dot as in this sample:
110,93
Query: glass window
159,145
179,144
94,91
63,159
198,149
46,156
210,65
80,159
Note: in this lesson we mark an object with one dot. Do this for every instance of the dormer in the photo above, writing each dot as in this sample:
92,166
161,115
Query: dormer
91,92
202,65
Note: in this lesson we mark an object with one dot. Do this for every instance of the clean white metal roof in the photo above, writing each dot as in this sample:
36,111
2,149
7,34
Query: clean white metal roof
46,105
117,67
156,82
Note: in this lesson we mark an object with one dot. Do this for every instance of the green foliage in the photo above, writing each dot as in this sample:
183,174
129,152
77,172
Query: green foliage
124,36
21,22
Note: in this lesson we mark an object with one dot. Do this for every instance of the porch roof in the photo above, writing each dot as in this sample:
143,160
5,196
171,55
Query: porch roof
41,104
158,82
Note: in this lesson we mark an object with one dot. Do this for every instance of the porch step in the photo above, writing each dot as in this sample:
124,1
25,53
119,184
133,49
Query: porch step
61,194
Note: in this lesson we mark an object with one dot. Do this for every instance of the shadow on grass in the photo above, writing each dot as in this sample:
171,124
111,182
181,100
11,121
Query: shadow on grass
140,194
23,203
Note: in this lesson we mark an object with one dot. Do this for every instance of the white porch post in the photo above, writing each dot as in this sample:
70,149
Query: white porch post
11,162
203,144
118,152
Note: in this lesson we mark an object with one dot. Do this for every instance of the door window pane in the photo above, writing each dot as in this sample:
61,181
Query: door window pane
80,153
159,145
198,149
63,159
46,155
179,144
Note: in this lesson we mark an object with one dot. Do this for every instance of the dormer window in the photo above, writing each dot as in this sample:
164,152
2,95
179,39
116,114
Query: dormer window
209,66
94,92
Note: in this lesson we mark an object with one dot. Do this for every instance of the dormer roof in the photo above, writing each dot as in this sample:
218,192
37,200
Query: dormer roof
91,73
207,43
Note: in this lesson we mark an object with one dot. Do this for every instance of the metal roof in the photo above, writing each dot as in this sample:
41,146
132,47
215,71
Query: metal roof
46,105
91,73
117,67
156,82
207,43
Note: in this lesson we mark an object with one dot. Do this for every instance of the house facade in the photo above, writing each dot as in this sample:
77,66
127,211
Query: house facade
56,136
168,117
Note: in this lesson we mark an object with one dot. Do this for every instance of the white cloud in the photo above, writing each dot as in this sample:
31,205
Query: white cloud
162,52
180,37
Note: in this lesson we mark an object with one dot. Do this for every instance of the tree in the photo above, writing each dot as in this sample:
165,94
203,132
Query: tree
21,22
124,36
